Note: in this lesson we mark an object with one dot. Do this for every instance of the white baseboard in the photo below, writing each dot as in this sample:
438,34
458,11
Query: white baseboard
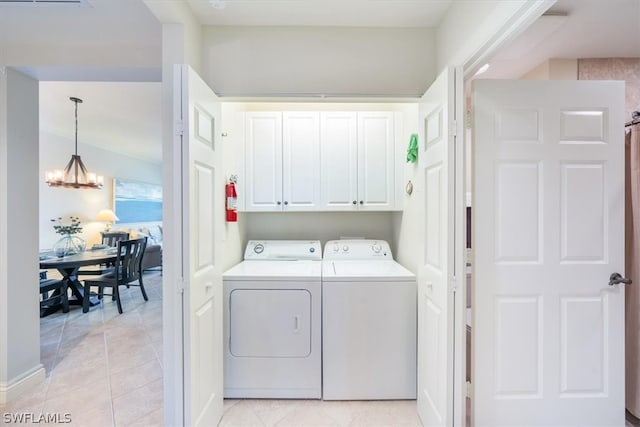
18,386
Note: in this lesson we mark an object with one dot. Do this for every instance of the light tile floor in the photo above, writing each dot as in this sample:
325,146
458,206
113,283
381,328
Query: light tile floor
105,369
297,413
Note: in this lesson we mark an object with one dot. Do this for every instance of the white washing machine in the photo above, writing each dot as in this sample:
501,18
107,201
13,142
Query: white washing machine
273,321
368,323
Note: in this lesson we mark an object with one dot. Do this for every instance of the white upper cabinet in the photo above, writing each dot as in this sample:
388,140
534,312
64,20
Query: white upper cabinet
301,161
376,171
358,161
339,147
282,161
312,161
263,157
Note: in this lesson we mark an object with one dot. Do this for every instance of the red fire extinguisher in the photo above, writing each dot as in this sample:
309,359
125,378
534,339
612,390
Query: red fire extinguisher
232,199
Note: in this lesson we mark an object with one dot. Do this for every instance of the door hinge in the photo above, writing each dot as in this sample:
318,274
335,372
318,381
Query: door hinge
453,128
179,128
180,286
468,389
453,285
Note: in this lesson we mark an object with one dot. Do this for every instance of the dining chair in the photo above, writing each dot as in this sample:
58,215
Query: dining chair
111,239
127,269
52,293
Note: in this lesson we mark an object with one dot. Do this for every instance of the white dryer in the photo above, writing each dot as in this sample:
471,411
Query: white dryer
273,321
368,323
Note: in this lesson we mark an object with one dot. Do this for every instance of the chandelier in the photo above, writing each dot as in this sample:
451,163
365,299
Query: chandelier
75,174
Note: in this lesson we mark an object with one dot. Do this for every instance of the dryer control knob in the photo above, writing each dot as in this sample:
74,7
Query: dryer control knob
376,248
336,248
345,248
259,248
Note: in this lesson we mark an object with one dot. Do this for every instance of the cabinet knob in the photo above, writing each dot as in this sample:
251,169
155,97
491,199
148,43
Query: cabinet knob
361,202
279,202
354,202
286,203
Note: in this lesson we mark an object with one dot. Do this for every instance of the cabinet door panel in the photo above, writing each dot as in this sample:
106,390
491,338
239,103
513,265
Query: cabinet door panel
301,161
339,161
376,173
263,145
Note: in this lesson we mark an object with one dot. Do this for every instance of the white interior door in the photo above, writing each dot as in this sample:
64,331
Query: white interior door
548,232
441,278
202,205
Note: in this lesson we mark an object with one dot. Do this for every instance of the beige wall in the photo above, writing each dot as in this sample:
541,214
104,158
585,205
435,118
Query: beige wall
627,69
281,61
554,69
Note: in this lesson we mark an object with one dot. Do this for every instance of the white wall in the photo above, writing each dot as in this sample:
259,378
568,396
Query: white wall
181,34
55,152
321,226
318,60
233,233
408,225
19,320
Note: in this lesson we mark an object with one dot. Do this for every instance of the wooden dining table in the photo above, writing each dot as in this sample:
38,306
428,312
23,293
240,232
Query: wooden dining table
69,265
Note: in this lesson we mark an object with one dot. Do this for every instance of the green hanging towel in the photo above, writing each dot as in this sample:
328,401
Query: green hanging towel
412,151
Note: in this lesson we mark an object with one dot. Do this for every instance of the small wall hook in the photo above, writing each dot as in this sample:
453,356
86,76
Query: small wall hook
409,187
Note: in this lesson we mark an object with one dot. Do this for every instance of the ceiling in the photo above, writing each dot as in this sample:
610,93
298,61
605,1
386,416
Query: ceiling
573,29
580,29
118,116
324,13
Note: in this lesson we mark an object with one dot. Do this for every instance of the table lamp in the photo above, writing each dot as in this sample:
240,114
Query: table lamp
108,217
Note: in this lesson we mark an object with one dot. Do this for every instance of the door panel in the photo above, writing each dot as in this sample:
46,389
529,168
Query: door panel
376,155
339,160
270,323
549,215
202,203
582,196
440,370
301,161
263,147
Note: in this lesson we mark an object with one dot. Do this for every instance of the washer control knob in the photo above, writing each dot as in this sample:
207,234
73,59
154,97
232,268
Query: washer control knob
259,248
312,249
345,248
336,248
376,248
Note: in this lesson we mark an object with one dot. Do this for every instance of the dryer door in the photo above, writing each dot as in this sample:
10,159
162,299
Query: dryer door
270,323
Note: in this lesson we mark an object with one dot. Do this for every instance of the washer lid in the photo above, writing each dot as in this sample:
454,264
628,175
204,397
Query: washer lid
372,271
275,270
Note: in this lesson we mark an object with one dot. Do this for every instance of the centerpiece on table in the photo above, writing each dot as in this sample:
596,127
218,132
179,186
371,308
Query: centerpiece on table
69,243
